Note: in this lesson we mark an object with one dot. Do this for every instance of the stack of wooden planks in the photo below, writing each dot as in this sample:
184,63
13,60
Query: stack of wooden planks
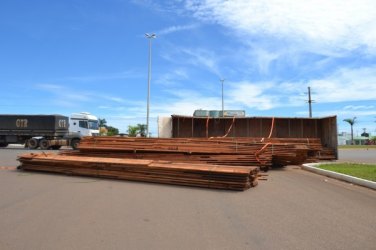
261,152
198,175
190,150
223,163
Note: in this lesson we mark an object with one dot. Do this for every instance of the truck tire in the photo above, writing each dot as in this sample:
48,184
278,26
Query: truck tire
74,143
3,144
33,143
44,144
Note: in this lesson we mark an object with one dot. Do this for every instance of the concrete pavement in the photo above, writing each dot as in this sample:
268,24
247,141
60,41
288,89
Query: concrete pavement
293,209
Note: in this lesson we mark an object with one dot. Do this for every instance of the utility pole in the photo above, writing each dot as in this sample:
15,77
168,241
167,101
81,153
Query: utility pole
223,114
149,37
310,101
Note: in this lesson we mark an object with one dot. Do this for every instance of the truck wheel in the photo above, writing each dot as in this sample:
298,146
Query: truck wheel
3,144
44,144
33,143
74,143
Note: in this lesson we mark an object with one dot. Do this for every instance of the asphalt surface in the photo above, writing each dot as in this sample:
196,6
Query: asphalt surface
293,209
357,155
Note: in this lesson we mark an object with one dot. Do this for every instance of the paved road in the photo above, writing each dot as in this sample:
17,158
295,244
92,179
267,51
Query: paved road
294,209
357,155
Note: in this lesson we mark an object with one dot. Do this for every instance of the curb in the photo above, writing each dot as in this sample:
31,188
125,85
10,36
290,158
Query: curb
355,180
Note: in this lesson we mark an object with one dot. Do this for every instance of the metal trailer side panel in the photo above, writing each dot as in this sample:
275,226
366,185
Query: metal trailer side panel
284,127
34,125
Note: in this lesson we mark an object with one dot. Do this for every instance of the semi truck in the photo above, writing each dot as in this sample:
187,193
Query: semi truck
47,131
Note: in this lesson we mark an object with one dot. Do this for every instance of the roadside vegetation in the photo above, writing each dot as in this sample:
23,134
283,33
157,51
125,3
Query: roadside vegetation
364,171
104,129
351,121
138,130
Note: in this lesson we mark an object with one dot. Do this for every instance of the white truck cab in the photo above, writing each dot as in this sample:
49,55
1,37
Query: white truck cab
84,123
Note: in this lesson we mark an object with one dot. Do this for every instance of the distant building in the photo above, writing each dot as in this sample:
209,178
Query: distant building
345,139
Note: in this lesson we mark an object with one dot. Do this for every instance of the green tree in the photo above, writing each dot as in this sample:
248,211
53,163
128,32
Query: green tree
139,129
351,122
142,129
102,122
108,130
373,139
112,131
132,131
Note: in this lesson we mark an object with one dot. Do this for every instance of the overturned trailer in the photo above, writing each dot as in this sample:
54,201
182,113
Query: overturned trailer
324,128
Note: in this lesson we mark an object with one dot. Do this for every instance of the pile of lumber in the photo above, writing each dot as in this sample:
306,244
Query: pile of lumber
261,152
197,175
191,150
223,163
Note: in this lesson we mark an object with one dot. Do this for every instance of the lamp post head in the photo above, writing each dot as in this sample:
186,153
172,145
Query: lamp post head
147,35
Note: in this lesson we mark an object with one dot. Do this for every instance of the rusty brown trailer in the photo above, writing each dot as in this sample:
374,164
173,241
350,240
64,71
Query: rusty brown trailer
324,128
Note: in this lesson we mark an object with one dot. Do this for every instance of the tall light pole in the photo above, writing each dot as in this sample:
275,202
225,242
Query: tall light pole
149,37
310,101
223,114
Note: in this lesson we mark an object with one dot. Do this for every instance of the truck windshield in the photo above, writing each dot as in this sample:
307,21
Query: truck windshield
93,124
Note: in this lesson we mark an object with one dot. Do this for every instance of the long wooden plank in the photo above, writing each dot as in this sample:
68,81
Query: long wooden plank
201,175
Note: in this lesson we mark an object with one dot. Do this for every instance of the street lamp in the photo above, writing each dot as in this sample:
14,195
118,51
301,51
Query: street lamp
223,114
150,37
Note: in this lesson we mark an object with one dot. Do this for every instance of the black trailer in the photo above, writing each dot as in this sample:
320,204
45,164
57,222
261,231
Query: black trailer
46,131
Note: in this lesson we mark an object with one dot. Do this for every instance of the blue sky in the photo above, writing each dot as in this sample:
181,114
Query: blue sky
60,57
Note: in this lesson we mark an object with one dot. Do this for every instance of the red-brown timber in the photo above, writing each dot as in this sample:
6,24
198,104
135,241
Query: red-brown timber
240,151
167,172
225,163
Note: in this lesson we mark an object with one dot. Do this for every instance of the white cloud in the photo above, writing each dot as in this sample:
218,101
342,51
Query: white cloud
358,107
184,102
112,108
172,77
105,76
343,85
112,98
346,84
263,58
344,24
166,7
63,96
340,113
198,57
201,57
252,95
176,28
49,87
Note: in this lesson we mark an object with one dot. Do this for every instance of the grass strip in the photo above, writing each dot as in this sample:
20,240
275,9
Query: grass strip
364,171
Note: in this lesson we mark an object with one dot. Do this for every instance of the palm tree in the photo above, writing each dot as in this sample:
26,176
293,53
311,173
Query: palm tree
351,122
132,131
142,129
102,122
139,130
